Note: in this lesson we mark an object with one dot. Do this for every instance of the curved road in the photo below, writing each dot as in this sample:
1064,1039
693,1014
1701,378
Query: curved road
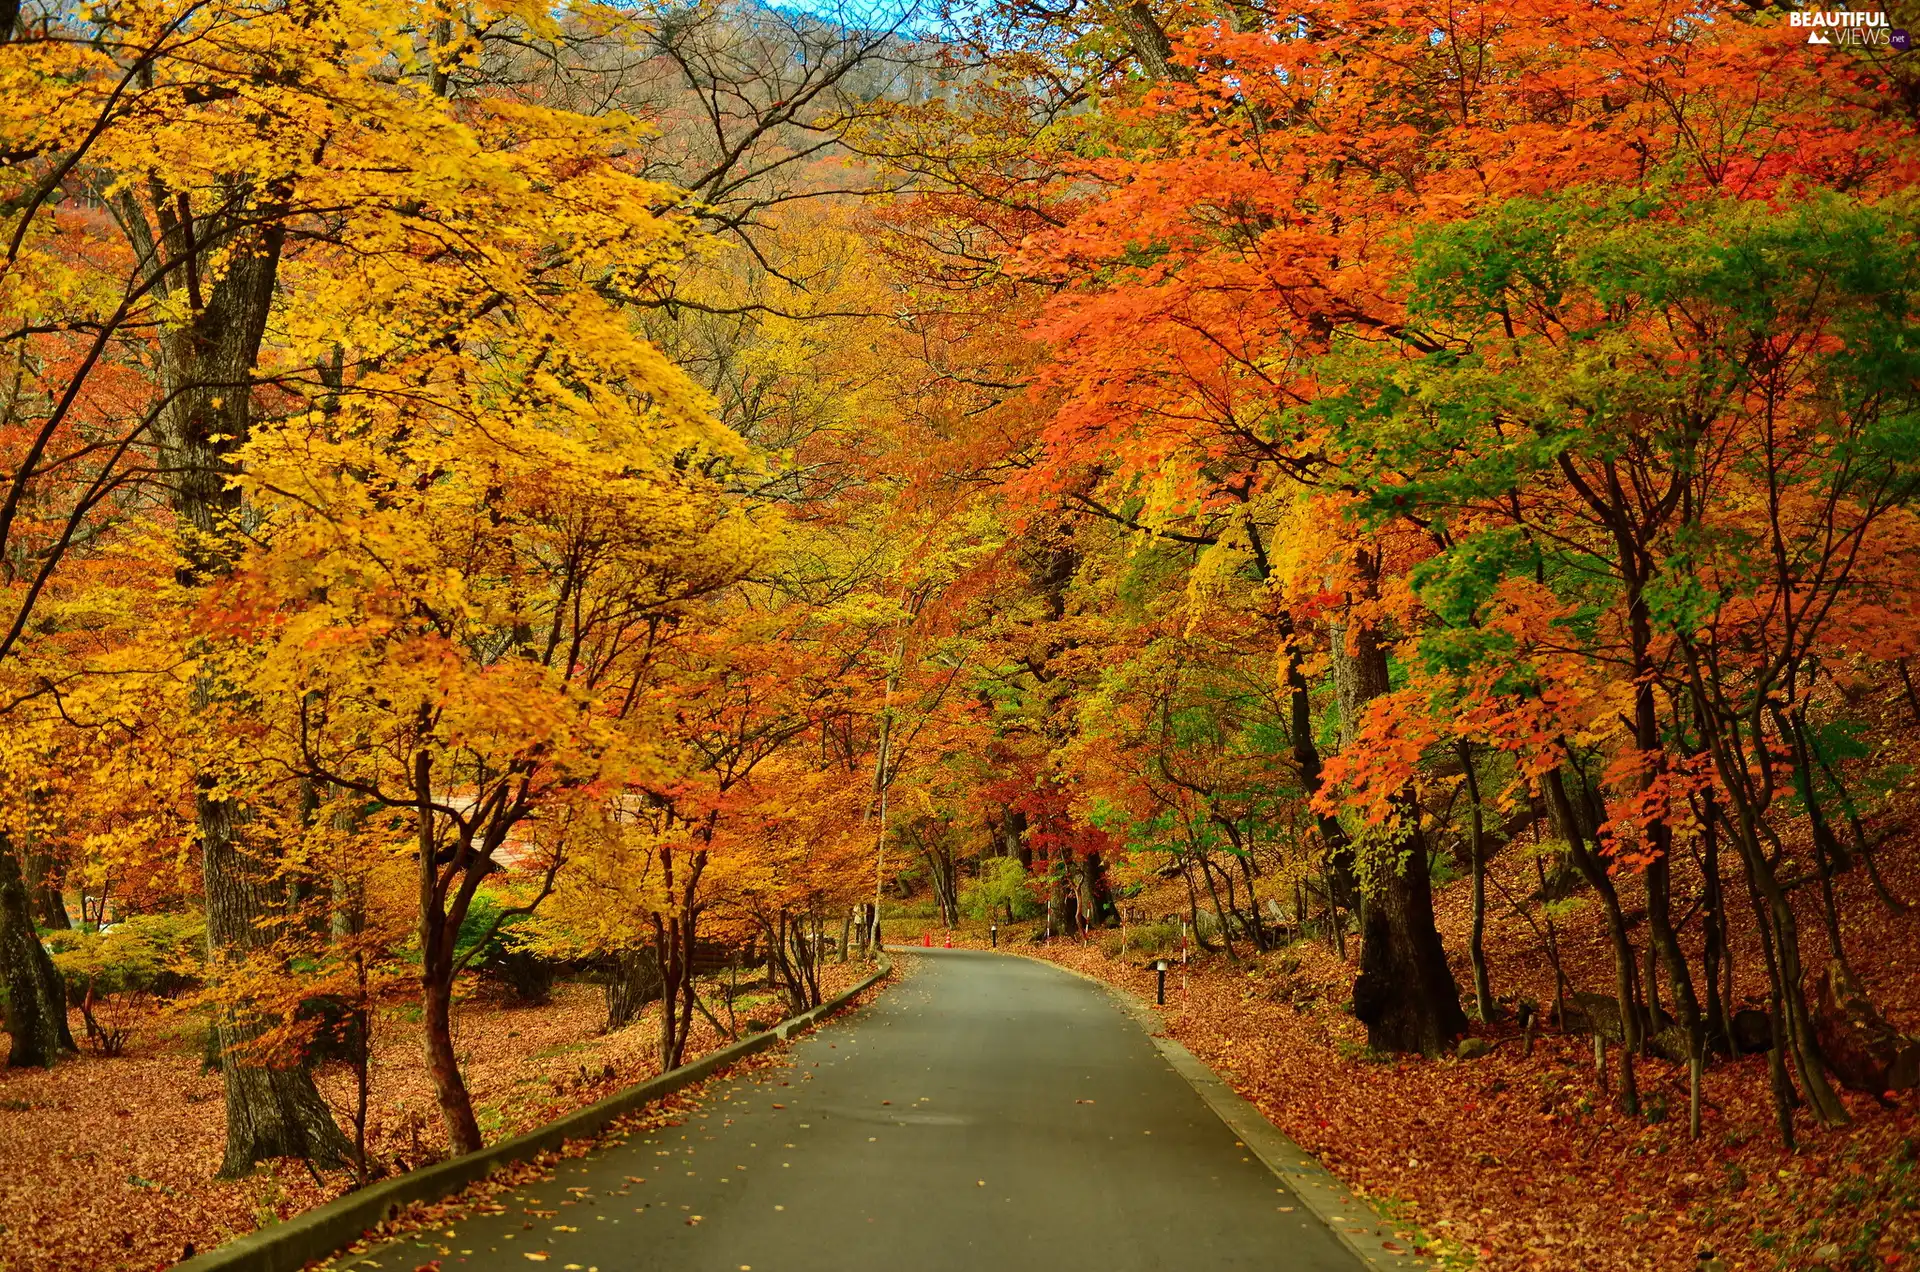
987,1112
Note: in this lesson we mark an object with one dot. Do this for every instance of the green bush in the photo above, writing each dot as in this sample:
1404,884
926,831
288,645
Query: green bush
1002,884
161,954
505,962
1148,940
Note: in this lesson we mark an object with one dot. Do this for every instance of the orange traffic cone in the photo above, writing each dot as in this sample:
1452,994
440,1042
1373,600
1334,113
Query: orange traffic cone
949,940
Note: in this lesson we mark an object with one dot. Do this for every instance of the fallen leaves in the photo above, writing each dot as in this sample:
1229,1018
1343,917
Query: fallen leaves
59,1217
1518,1157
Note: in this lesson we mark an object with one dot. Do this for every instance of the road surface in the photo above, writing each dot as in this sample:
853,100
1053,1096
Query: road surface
989,1112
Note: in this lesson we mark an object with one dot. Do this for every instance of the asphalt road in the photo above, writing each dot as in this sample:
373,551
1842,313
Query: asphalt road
988,1112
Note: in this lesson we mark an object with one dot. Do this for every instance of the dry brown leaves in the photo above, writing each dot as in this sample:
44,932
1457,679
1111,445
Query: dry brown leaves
1520,1162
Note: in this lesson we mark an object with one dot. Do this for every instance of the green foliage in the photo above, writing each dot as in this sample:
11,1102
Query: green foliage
160,954
1146,940
478,926
1002,884
506,959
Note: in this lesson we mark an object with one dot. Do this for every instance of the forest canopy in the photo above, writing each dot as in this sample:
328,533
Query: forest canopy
497,492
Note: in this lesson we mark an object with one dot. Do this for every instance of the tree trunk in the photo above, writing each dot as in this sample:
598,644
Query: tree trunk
1477,854
449,1088
1806,1054
632,981
1686,1005
1337,852
1193,905
1719,1006
780,963
939,858
1057,916
1624,975
1086,882
36,993
272,1111
445,900
43,885
207,368
1258,927
1013,838
1405,993
1749,792
674,943
1221,912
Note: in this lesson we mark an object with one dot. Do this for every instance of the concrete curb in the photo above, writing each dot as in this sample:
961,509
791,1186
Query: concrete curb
1358,1226
320,1232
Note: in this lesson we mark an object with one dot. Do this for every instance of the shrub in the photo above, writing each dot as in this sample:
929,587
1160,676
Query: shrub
1148,940
1002,885
505,961
109,972
159,954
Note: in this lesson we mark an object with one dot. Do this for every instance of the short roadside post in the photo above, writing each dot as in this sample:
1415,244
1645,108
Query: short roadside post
993,934
1160,976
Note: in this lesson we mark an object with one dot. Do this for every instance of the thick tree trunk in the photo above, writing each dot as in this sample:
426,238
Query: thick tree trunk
277,1113
1086,883
43,885
445,900
1142,29
207,367
53,908
1013,837
36,993
272,1110
1405,993
1059,916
